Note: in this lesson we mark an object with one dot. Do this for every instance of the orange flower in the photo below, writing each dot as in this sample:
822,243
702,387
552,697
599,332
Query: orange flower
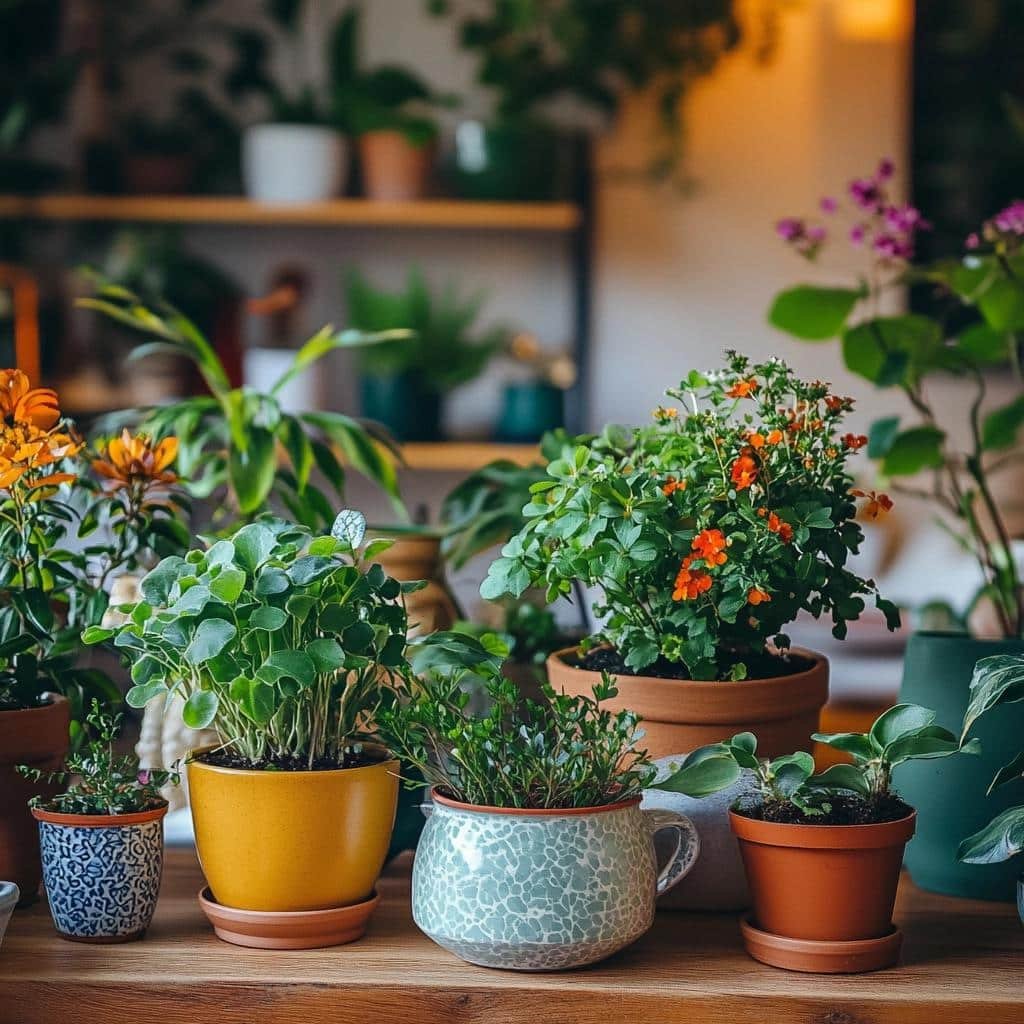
127,461
744,471
742,388
877,503
774,437
758,596
756,440
710,545
781,527
672,485
690,583
26,406
25,449
836,404
854,442
663,415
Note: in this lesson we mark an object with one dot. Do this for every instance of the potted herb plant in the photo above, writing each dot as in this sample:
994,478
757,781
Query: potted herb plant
281,641
706,533
536,855
823,852
102,839
971,331
403,382
54,581
997,682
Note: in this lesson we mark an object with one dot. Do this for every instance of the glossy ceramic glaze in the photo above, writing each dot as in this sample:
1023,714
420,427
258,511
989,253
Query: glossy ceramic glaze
951,793
683,714
102,872
290,841
543,890
8,901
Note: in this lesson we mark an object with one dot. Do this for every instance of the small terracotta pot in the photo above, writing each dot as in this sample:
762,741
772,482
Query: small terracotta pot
823,883
37,737
417,556
683,714
393,168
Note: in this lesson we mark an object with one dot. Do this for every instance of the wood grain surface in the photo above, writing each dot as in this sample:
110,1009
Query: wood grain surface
963,964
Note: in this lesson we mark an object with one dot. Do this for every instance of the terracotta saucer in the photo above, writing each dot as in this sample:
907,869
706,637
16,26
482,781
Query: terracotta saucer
300,929
822,957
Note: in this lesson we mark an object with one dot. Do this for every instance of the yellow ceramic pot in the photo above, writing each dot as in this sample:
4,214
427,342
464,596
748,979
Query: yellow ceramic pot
276,841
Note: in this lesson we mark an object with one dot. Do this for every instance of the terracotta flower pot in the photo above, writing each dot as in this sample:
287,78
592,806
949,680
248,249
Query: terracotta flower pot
817,887
37,737
416,555
393,168
102,872
683,714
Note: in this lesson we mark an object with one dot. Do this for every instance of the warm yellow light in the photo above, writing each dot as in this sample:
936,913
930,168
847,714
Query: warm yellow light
875,21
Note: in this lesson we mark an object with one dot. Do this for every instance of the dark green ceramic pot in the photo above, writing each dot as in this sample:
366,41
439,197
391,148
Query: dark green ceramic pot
949,793
529,410
400,401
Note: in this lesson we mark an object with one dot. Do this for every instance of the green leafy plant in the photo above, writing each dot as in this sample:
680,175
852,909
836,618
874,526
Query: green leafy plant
101,781
439,349
64,534
240,445
707,531
280,640
566,752
861,792
976,328
997,681
487,507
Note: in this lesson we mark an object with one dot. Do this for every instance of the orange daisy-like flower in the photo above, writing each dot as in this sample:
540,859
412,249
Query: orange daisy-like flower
743,472
758,596
774,436
756,440
877,504
672,485
710,545
25,449
23,405
690,583
781,527
854,442
742,388
128,461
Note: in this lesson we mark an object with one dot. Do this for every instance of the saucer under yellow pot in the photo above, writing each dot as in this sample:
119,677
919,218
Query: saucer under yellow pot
279,841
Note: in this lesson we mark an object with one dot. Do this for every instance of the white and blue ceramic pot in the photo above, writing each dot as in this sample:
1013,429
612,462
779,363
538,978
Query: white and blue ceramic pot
543,890
102,872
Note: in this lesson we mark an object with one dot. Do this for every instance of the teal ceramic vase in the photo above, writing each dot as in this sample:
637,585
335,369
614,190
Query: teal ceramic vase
949,793
529,410
543,890
400,401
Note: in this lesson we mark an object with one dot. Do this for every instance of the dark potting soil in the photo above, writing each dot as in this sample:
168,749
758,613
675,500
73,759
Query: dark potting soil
225,757
762,665
845,810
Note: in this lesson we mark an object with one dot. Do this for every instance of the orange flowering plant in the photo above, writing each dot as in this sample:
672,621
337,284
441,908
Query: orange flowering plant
53,575
707,531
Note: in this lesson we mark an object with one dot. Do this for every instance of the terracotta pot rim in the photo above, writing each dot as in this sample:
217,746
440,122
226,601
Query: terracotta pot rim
391,133
532,812
98,820
823,837
389,762
54,700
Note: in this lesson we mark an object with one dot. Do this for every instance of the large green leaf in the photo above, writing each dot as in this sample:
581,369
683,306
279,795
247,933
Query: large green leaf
200,709
913,450
899,720
1001,839
1002,425
997,680
701,776
210,638
228,585
295,665
886,350
254,544
255,697
847,777
813,313
854,743
1002,305
252,471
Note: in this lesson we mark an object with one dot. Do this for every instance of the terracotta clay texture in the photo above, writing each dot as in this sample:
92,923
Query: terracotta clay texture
683,714
822,883
36,737
393,168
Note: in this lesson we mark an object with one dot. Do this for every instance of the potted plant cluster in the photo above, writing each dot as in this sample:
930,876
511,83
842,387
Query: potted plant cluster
403,382
972,333
283,642
823,852
706,533
536,855
54,581
102,839
998,681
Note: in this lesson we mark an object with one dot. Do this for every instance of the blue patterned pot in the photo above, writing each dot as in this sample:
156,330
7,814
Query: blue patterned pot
102,872
543,890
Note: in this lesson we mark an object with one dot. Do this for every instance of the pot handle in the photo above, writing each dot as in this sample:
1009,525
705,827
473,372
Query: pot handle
686,851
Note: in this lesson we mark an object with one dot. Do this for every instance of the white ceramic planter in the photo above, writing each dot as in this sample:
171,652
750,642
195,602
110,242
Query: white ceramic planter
262,368
8,901
293,163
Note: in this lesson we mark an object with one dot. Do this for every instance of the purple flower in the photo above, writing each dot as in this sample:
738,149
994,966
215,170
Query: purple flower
892,247
866,194
817,235
143,777
973,241
1011,220
886,168
828,204
857,233
790,228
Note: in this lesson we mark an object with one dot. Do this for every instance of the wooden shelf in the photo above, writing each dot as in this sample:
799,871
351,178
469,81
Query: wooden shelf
961,963
465,456
425,213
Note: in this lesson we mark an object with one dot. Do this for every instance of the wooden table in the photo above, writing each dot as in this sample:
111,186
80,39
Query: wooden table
963,963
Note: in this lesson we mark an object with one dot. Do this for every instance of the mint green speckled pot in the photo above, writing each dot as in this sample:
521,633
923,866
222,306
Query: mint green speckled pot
548,890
